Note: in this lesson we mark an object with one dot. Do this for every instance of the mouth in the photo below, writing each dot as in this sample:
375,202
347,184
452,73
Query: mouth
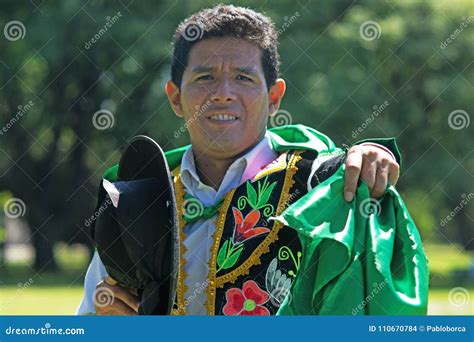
223,118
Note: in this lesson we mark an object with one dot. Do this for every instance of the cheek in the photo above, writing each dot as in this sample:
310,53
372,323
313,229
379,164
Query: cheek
252,96
192,99
196,91
257,105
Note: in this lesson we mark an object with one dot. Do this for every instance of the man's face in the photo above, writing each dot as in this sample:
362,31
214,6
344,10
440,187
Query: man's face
224,97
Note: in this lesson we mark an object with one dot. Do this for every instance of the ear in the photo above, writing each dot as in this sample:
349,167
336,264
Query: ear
275,94
174,97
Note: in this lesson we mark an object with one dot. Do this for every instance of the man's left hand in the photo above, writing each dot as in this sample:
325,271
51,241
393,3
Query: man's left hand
374,165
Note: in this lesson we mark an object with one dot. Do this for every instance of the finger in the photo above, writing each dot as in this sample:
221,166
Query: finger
122,309
110,281
117,308
380,182
352,172
369,173
126,296
107,311
393,173
104,291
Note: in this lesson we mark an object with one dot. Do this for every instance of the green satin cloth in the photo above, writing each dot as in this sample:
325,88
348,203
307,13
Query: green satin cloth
354,262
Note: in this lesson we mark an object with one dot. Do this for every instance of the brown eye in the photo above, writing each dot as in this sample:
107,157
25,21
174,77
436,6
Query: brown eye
243,78
204,77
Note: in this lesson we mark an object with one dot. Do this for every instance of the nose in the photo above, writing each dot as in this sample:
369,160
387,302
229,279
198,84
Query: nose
223,92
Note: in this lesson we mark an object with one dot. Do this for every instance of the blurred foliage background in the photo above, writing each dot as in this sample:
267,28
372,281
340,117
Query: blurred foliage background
71,59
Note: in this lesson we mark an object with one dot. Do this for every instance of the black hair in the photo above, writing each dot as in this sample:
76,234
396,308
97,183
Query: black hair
227,21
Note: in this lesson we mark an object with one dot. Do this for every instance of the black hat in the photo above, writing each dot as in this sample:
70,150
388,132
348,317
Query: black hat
136,230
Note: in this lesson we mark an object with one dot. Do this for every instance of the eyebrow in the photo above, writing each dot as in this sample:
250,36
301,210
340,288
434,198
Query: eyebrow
245,70
203,68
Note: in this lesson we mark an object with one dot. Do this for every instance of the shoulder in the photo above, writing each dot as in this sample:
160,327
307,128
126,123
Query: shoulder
314,168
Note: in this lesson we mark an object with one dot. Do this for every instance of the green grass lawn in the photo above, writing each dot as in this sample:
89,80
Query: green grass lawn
439,304
443,259
64,301
40,301
25,292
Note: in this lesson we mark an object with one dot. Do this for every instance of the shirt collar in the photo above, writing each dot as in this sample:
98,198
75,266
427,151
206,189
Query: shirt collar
242,169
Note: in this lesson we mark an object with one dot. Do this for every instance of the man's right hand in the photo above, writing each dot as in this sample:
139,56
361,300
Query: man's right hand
113,299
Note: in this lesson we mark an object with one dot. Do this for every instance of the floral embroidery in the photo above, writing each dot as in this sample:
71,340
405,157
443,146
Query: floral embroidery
228,255
244,230
245,227
258,199
277,283
284,253
246,302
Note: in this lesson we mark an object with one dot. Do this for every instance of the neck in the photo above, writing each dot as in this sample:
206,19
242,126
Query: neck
211,170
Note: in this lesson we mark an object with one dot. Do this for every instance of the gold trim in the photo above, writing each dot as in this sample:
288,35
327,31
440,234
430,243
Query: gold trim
182,275
280,164
220,222
263,248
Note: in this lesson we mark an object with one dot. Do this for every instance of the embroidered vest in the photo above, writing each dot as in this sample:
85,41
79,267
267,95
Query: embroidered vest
254,259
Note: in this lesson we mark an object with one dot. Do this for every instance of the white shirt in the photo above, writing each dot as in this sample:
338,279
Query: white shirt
198,239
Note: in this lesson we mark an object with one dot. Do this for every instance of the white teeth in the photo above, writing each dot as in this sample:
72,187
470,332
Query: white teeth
223,117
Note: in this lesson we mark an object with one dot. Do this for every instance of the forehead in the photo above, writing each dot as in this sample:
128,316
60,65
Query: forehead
225,50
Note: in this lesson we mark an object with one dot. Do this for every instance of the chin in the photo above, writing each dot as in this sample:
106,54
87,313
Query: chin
229,148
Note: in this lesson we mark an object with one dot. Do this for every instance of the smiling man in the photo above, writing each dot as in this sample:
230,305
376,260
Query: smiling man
265,233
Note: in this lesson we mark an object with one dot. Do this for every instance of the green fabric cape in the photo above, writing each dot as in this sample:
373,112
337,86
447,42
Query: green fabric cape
353,263
359,258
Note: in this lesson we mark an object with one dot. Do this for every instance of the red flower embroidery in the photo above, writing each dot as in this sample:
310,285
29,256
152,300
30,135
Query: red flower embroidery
246,302
245,227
